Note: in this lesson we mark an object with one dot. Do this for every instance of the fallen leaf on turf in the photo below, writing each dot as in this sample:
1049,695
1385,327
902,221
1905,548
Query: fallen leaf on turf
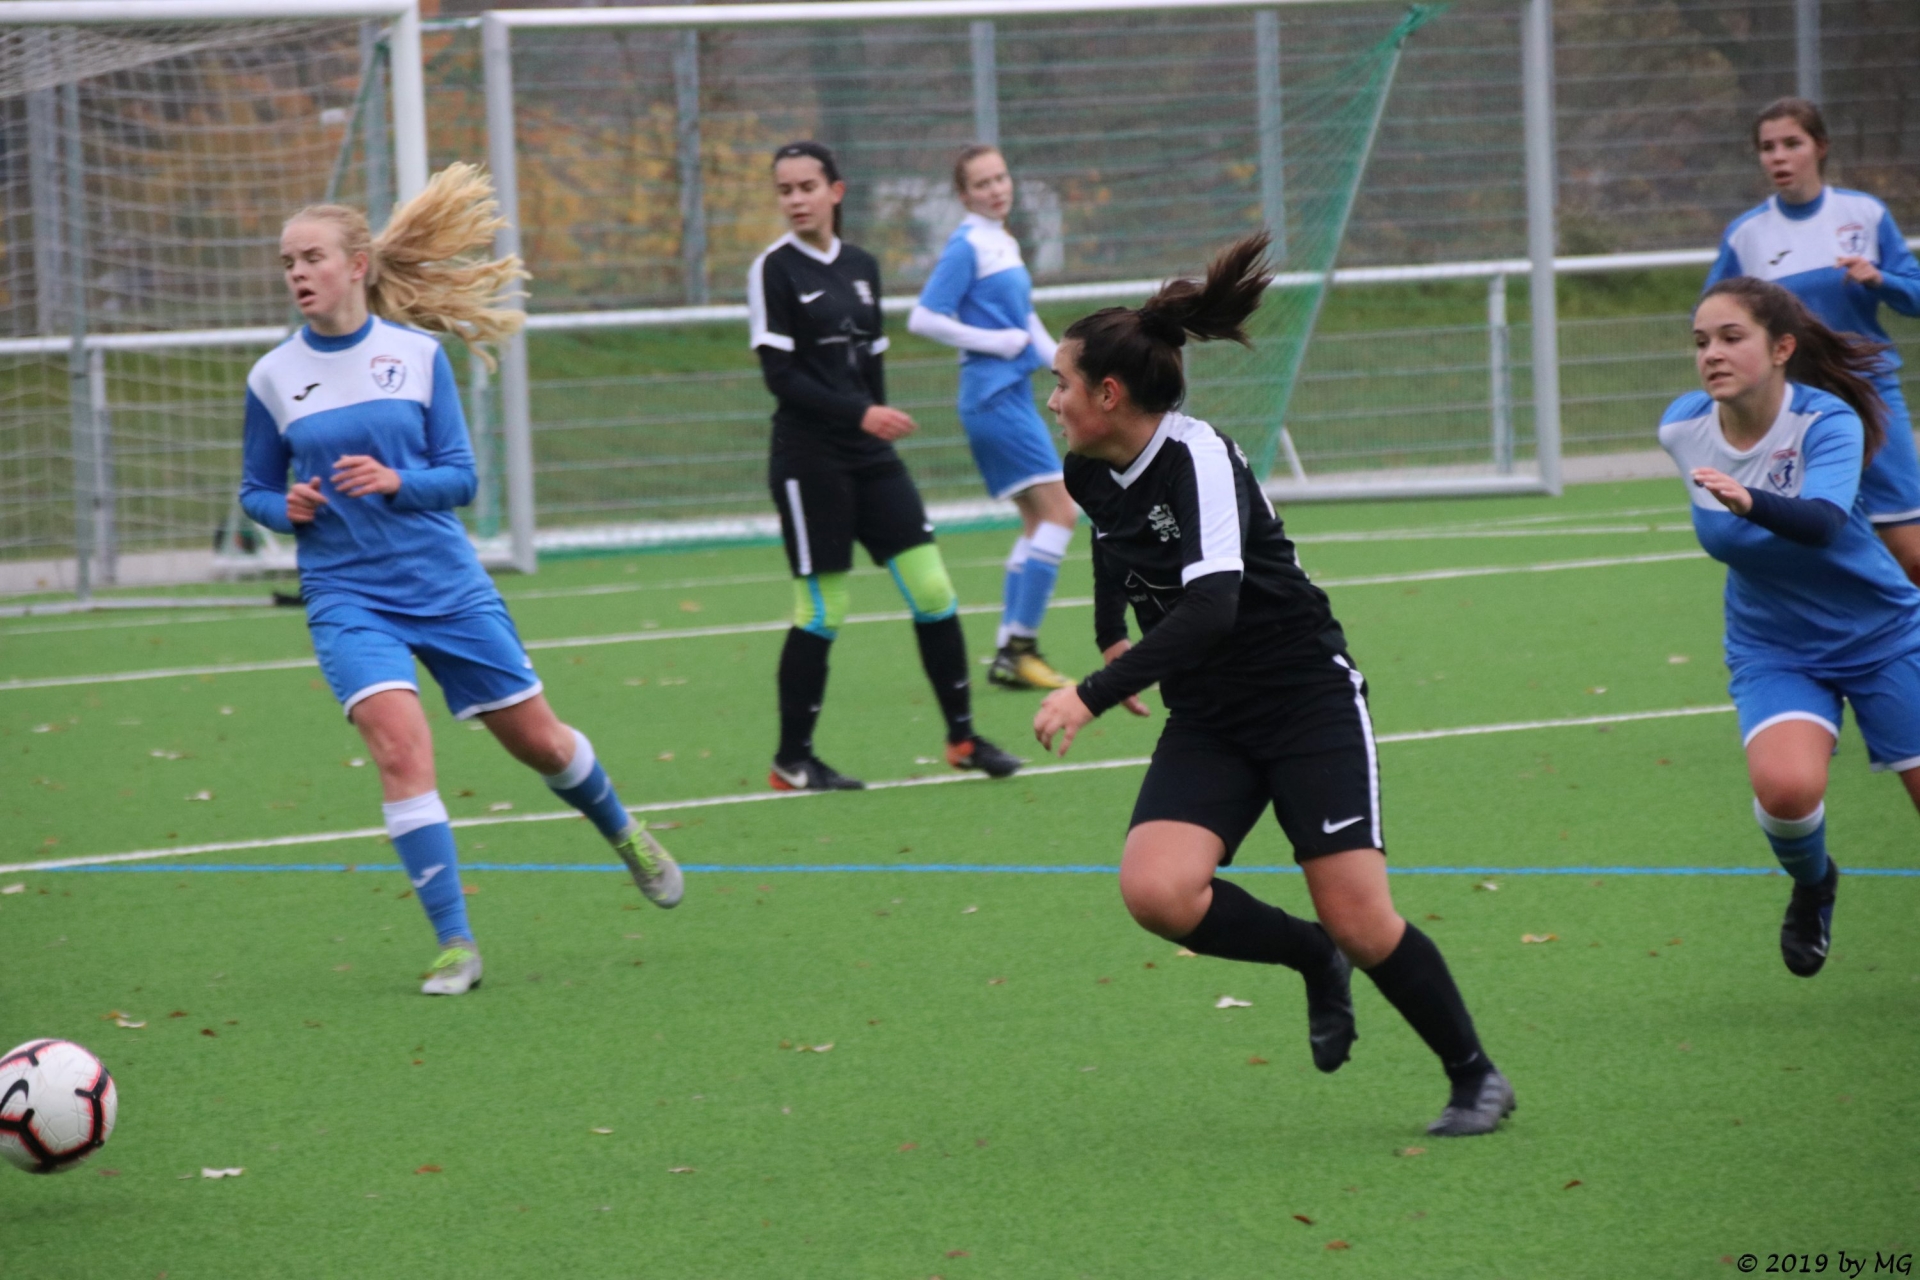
681,1168
14,888
1338,1244
1432,916
428,1168
909,1146
109,1173
1571,1185
469,889
356,762
201,795
958,1253
664,755
817,1048
1539,937
209,1032
967,911
996,982
178,1013
500,806
1599,688
602,1132
1489,886
130,1024
1228,1002
1183,953
1301,1217
1673,942
689,606
1678,659
221,1173
339,968
1411,1151
1256,1061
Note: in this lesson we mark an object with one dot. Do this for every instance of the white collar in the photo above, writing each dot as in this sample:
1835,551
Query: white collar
833,250
1780,420
1147,455
982,221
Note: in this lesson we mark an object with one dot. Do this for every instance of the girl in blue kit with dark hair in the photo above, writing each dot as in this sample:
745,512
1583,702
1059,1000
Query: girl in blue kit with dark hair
364,411
980,300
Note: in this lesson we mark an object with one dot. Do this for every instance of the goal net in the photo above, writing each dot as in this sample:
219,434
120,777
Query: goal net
145,170
1141,139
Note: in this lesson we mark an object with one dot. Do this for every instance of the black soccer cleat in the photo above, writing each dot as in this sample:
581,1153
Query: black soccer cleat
1479,1111
811,774
1808,926
1330,1029
977,753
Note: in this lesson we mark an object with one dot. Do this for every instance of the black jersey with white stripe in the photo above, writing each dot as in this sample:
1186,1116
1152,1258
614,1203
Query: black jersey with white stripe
1186,536
814,319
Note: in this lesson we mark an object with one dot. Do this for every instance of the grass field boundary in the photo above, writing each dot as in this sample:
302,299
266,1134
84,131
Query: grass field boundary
935,868
758,797
781,625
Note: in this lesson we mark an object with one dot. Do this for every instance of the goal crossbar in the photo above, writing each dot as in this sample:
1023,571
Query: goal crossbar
738,15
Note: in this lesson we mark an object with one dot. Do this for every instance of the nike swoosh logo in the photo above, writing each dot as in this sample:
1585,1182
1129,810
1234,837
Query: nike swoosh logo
1775,260
809,297
1331,827
309,391
438,867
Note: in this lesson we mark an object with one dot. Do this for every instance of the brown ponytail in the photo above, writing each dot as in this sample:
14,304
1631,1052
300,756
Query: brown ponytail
1141,346
1839,363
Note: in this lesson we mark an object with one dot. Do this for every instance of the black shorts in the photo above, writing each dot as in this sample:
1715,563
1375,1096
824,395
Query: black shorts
1316,765
826,507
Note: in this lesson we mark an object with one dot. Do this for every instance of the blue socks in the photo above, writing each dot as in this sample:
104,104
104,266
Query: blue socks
1799,843
586,786
424,840
1030,588
1010,588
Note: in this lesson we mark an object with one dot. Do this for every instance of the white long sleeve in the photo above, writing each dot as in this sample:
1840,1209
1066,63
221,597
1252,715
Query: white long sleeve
1043,341
1004,343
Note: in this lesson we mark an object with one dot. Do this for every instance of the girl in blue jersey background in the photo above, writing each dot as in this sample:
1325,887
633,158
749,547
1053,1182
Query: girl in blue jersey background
979,299
1817,610
1840,253
364,411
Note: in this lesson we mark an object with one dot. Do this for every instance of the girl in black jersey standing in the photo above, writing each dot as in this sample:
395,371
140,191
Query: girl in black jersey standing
1264,704
814,314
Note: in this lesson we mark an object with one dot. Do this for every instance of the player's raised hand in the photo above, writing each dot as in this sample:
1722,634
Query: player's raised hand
303,500
356,475
1063,714
1730,492
886,422
1859,270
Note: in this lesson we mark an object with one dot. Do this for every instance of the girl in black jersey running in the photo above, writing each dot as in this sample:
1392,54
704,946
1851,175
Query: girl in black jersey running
814,313
1265,707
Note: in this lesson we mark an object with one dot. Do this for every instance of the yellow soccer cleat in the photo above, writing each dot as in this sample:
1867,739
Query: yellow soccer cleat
1020,665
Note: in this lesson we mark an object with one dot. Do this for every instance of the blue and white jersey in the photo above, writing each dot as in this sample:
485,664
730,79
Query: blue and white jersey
388,392
1795,245
1829,611
982,281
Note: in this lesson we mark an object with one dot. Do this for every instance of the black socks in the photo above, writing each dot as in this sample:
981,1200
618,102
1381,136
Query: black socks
1238,926
943,653
803,684
1414,979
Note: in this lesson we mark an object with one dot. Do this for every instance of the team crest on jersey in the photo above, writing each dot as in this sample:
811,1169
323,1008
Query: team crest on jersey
865,291
389,373
1163,522
1783,469
1852,237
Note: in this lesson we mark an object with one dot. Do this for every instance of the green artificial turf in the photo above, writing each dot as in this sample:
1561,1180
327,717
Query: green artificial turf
1021,1082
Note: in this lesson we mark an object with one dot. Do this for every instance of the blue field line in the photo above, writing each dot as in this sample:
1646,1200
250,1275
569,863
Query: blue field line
944,868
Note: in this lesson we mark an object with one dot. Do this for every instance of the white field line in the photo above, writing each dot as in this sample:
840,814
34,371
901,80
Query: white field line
1517,527
758,797
755,628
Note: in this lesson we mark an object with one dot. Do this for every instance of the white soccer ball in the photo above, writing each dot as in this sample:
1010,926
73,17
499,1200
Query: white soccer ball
57,1105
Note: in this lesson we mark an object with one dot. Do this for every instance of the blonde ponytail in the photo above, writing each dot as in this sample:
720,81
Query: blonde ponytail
425,268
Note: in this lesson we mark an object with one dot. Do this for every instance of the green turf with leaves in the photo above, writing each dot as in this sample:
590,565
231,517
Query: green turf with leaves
1020,1082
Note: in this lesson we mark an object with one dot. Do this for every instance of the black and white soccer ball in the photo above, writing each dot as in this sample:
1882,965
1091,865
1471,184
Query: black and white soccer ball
57,1105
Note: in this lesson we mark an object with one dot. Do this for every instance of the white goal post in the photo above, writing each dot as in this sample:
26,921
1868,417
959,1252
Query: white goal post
498,28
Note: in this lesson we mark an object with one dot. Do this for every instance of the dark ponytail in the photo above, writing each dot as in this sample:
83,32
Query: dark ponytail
829,167
1836,362
1141,347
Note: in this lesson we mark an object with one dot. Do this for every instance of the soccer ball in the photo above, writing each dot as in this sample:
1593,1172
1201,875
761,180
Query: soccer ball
57,1105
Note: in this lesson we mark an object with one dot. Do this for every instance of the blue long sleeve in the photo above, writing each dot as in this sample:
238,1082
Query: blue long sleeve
1899,285
449,481
1726,266
263,479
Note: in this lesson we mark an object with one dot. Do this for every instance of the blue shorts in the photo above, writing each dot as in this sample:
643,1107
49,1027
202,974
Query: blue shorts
1009,441
475,656
1886,703
1890,486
